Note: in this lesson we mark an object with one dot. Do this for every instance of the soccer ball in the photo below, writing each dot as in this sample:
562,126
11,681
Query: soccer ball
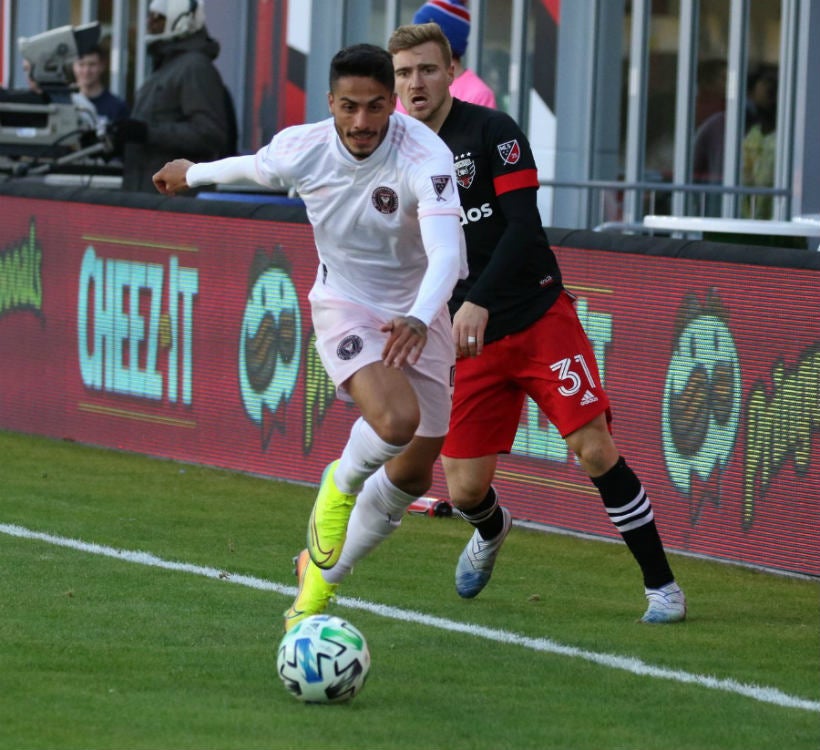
323,659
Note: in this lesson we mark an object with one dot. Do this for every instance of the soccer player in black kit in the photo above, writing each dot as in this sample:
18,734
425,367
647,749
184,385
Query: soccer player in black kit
516,332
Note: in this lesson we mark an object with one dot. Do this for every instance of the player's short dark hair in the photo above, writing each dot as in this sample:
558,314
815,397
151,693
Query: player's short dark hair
363,61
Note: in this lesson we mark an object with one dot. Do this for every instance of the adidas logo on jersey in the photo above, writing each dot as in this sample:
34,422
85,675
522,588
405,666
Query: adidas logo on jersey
588,398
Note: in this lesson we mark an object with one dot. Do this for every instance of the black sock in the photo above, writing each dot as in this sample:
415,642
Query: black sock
486,516
629,509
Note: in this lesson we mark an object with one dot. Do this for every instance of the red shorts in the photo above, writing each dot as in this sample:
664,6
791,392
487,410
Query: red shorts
552,362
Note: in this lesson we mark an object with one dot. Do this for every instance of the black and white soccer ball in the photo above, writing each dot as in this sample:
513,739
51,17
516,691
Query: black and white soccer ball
323,659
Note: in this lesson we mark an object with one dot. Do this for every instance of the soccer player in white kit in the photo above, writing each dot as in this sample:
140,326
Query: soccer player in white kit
379,189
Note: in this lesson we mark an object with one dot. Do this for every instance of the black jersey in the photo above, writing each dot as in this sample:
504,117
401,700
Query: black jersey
513,271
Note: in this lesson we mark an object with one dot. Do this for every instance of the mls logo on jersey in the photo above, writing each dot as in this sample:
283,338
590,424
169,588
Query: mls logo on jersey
443,186
465,170
385,200
510,152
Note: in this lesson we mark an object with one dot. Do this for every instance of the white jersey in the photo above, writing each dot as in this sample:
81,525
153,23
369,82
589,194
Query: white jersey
365,212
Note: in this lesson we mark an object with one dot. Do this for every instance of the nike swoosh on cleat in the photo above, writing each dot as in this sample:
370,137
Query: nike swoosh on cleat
314,545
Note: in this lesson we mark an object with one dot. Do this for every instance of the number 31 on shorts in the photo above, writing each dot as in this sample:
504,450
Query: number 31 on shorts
567,370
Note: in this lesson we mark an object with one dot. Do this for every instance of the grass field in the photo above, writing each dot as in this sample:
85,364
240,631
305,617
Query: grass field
141,603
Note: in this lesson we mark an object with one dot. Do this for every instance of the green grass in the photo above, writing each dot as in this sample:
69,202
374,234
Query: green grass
103,653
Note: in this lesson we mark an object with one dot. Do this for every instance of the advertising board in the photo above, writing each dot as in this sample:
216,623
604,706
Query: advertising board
188,337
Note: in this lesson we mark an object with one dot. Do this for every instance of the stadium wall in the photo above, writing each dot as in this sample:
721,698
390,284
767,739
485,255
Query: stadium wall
179,328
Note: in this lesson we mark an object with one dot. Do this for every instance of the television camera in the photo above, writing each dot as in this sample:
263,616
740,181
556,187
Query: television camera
51,125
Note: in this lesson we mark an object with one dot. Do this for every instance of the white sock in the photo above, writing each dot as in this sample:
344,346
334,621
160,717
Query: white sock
379,509
364,453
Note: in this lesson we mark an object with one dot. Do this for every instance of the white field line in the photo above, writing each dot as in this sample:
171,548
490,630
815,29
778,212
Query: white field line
613,661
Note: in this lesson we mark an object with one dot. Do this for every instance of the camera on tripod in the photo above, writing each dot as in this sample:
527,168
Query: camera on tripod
53,122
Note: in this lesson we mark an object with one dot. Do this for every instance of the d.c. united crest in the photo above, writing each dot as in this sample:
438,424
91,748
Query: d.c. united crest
465,170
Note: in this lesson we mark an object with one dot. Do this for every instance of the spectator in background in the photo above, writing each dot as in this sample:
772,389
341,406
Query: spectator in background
760,143
707,157
758,148
183,108
454,19
88,74
711,93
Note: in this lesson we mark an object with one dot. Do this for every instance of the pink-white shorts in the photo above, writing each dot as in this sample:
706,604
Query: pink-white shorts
348,338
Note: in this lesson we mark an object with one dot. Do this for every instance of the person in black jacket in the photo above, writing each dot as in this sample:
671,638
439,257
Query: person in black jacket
516,332
183,108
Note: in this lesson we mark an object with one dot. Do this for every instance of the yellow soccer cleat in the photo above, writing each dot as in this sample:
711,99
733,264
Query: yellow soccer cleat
327,527
314,594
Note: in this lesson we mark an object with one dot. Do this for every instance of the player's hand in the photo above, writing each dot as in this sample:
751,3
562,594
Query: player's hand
407,338
171,178
469,324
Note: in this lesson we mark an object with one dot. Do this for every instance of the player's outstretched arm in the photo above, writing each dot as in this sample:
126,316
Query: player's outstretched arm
181,174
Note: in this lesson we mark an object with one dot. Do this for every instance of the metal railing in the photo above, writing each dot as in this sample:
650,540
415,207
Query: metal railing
614,205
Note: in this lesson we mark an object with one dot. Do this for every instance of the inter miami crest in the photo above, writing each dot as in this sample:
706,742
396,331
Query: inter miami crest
465,170
385,200
349,347
510,152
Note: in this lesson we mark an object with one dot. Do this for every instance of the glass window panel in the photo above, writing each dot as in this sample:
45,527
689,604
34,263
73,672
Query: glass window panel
495,53
661,91
378,22
759,141
710,104
407,9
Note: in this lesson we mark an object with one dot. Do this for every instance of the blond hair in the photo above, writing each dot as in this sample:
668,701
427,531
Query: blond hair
412,35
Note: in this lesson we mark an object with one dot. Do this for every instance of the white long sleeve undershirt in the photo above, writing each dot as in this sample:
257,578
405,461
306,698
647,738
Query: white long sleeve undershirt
234,169
441,234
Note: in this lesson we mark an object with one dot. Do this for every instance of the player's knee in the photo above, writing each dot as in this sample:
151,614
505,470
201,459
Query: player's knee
466,492
468,481
417,485
397,426
596,456
413,477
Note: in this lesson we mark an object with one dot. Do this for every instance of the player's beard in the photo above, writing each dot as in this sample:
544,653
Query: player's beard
362,151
